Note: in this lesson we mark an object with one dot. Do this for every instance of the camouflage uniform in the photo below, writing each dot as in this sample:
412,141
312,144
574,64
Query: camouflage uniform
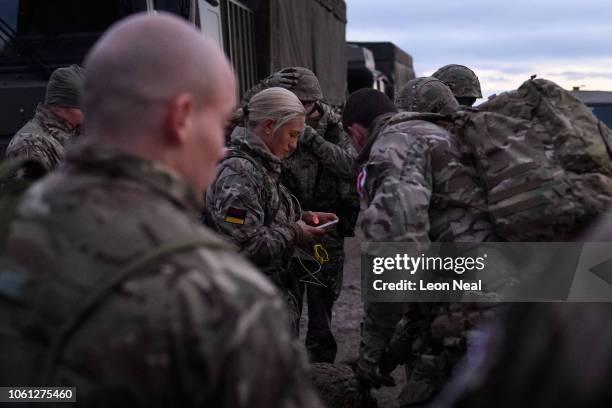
195,328
321,173
44,138
247,204
411,183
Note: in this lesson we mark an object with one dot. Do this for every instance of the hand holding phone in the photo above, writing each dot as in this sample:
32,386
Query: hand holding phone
328,225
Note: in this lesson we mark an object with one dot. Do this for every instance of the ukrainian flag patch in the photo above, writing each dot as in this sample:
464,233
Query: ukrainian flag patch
235,216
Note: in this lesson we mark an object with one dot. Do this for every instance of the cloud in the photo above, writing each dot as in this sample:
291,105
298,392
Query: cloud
505,42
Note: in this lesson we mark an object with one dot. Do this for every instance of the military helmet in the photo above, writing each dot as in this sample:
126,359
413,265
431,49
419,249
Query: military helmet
426,94
462,81
307,88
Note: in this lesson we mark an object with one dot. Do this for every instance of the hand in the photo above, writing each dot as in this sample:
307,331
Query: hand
318,218
309,136
286,78
309,232
321,218
370,377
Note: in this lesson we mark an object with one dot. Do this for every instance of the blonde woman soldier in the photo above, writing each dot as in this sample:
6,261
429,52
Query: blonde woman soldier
248,204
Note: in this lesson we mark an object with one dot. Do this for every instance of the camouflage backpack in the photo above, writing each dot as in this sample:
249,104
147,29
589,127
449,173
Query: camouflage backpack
12,188
544,159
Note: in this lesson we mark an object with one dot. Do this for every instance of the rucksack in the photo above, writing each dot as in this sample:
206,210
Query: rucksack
544,160
13,185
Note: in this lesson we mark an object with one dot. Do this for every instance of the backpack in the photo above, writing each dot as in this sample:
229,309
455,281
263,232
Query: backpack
544,160
13,185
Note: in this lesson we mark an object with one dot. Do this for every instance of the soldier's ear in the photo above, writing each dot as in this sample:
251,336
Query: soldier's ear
178,118
268,126
358,135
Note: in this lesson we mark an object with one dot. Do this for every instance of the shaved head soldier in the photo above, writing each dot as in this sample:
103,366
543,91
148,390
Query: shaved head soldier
127,298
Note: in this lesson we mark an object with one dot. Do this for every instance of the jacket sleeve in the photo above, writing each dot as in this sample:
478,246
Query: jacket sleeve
396,192
235,203
337,158
239,352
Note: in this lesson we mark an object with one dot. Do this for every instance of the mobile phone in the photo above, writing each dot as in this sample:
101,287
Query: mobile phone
327,225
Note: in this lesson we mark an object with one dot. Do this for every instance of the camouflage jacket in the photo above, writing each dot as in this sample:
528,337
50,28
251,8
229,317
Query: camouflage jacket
194,328
43,138
321,173
414,187
248,204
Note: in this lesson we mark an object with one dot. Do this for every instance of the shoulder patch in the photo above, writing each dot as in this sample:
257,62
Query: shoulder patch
361,178
235,216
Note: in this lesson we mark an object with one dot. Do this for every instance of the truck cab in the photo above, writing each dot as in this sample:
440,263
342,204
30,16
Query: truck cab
36,37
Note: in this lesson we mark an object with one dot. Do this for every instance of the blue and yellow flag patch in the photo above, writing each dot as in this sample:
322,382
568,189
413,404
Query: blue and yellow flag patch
235,216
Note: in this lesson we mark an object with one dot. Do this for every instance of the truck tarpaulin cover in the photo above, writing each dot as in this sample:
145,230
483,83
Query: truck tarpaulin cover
311,33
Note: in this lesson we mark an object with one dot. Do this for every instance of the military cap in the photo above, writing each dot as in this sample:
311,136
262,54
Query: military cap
462,81
426,94
307,88
64,87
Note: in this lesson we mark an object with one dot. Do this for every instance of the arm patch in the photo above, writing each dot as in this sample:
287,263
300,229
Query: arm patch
235,216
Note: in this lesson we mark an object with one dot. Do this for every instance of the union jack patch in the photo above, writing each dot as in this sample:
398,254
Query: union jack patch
361,178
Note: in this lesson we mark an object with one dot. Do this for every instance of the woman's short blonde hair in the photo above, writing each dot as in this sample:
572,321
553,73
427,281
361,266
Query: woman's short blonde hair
275,103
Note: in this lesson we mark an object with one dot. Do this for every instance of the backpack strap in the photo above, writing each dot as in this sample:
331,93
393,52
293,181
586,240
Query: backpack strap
89,303
12,189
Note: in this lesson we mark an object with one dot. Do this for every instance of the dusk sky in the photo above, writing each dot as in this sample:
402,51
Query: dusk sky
505,42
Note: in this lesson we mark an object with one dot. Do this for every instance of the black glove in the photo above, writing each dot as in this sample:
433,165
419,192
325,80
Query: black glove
286,78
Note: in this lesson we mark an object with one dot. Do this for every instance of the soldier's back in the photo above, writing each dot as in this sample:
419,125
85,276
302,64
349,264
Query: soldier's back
171,334
436,184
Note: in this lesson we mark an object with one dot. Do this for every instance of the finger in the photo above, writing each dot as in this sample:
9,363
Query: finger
331,216
290,75
286,70
315,219
288,81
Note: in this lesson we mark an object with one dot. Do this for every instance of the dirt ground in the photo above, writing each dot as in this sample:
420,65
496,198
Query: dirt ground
347,315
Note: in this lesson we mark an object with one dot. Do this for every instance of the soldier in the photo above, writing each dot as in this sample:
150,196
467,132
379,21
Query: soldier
248,204
462,81
321,174
426,94
538,355
55,123
118,291
411,177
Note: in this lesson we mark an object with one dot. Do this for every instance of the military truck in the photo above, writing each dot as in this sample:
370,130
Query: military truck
259,37
600,103
393,62
362,72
